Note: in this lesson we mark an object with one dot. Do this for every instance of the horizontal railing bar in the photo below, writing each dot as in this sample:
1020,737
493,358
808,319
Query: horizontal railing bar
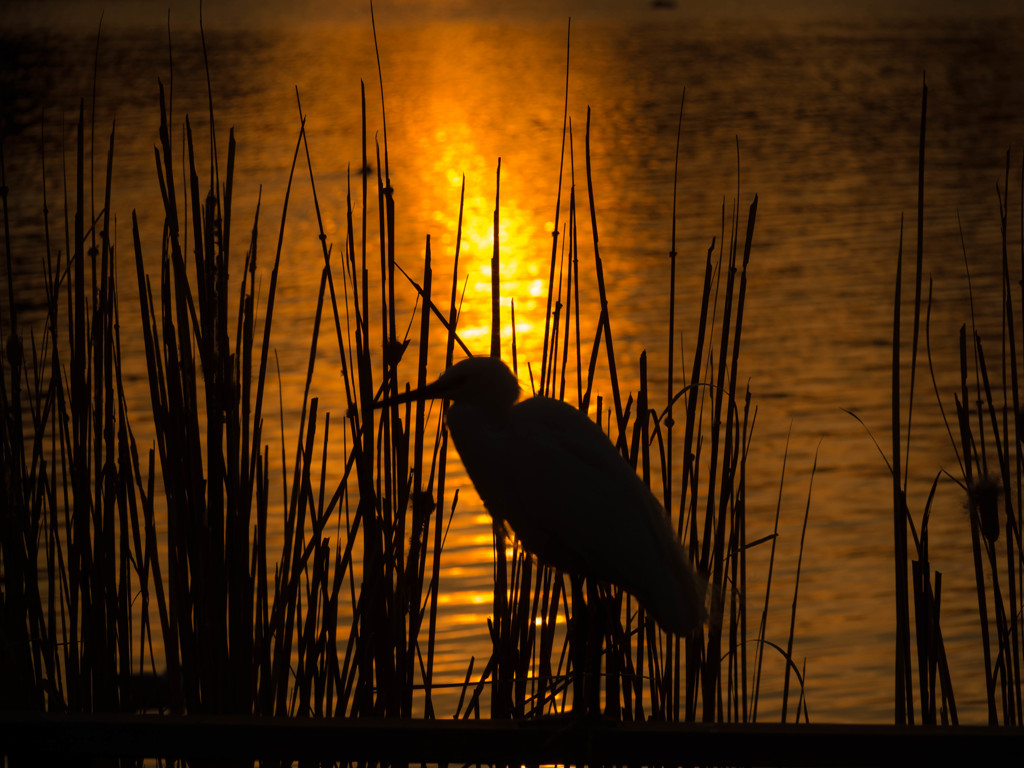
566,740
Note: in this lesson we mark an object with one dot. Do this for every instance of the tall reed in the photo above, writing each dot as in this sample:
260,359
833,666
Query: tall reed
75,551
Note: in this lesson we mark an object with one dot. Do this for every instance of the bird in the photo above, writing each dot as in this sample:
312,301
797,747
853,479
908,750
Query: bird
544,468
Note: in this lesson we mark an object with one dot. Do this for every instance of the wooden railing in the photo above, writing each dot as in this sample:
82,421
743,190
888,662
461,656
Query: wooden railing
74,739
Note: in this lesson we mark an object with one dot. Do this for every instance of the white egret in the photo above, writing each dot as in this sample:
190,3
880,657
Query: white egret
547,470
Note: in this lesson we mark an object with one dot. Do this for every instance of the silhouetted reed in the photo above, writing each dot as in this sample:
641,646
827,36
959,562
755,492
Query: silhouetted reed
75,547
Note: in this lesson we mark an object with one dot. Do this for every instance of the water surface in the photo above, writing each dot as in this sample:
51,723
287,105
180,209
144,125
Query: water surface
817,116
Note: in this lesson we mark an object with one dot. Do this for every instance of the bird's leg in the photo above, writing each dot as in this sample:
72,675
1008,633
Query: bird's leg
596,611
578,638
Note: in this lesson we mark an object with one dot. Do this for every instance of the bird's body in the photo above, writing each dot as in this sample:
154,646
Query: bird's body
548,471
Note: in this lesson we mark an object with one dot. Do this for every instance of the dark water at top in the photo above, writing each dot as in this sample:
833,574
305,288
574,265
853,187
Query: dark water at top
825,113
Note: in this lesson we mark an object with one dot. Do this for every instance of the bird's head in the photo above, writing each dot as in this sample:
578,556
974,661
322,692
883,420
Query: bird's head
485,382
482,381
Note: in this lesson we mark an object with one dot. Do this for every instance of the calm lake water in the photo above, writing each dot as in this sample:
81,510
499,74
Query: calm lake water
825,114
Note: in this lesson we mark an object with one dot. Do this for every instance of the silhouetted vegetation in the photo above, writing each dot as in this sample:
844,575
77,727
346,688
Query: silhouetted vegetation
143,578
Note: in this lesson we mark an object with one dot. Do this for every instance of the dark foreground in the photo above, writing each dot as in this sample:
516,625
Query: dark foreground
83,738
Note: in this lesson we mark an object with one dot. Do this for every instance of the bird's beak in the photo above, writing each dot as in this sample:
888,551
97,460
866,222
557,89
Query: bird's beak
426,392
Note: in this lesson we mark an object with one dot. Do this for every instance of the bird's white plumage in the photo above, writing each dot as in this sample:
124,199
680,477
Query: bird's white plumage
548,471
